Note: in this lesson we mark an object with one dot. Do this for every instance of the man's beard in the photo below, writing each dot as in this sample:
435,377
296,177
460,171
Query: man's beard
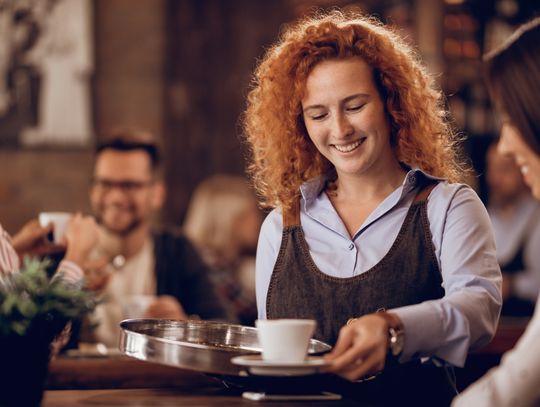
125,231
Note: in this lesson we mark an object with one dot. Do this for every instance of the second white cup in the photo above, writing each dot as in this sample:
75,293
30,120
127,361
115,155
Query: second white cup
285,340
60,221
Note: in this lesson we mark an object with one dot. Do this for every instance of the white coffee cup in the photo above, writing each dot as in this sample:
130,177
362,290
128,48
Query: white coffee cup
136,305
285,340
60,221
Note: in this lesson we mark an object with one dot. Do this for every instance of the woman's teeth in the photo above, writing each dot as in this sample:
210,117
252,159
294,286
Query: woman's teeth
347,148
524,169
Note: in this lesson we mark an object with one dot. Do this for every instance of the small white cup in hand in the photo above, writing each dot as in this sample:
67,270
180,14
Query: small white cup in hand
285,340
60,221
136,305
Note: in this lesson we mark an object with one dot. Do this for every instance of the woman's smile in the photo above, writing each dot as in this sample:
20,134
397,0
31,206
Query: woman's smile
347,148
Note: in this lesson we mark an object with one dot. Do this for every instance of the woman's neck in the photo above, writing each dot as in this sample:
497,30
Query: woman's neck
367,188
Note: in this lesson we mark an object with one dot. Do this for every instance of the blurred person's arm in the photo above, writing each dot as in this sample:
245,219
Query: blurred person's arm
32,240
515,381
9,261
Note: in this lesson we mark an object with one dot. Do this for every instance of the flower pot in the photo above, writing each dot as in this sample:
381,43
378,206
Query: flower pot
24,367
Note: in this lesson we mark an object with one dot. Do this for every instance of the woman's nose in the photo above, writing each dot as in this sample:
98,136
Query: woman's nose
505,144
342,126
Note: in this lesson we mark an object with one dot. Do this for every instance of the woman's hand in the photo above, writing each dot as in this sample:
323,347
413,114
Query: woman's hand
81,237
32,240
361,348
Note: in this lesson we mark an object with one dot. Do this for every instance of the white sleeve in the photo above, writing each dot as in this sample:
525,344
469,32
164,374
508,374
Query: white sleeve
467,316
516,381
267,254
9,261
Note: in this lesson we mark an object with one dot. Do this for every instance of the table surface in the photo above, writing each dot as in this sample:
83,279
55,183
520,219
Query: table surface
200,397
123,381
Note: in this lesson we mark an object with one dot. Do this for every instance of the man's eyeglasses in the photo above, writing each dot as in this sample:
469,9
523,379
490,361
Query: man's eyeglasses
124,186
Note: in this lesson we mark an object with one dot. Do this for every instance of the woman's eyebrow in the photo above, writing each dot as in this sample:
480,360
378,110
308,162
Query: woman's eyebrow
347,99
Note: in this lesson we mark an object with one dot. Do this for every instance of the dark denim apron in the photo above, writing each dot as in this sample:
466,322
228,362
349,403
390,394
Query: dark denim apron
408,274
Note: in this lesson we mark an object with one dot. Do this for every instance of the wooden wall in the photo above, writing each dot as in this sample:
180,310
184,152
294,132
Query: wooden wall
211,52
179,68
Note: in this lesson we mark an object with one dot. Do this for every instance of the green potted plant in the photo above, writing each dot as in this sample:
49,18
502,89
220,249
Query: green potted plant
34,310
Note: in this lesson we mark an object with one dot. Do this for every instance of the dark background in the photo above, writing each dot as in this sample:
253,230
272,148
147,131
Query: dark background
182,68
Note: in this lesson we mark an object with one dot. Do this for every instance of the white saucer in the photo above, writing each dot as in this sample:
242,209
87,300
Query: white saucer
257,366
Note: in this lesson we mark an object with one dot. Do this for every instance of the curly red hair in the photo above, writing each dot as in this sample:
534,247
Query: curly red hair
283,156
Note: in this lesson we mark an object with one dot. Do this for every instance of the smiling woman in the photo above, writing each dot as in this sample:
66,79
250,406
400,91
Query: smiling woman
370,234
346,120
513,75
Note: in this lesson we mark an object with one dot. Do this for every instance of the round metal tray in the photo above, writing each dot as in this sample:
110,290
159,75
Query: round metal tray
203,346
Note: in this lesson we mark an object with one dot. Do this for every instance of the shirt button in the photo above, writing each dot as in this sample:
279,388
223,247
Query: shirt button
412,179
351,246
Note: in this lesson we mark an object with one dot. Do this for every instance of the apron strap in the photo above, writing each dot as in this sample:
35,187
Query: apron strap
424,192
291,216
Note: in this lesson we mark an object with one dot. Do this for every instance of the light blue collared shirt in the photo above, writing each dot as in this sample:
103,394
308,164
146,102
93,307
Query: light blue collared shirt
447,328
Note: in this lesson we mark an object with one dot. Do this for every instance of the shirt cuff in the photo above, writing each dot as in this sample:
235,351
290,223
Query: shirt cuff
423,328
70,273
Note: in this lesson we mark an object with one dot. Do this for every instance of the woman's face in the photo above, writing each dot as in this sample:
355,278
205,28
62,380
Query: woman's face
512,143
345,117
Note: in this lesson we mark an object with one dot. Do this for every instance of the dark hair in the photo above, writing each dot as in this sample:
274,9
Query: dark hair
129,140
513,78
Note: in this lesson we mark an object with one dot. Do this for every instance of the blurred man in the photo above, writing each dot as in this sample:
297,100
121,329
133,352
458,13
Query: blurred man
516,223
127,190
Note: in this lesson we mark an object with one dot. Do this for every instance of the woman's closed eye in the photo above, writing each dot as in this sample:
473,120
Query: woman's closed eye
355,108
316,115
319,116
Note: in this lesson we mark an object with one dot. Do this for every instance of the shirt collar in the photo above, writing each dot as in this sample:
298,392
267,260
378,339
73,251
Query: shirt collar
311,189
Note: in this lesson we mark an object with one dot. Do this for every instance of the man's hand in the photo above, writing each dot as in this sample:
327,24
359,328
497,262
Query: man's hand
166,307
361,348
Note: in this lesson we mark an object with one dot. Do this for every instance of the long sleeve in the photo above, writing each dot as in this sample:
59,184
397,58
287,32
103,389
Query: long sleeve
70,273
67,270
516,381
267,253
467,316
9,261
447,328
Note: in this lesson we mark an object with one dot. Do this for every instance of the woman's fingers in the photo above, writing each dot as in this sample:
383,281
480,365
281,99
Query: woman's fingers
360,348
344,342
358,353
372,364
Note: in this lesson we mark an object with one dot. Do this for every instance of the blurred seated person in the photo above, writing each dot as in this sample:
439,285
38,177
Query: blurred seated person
31,240
515,216
141,261
223,221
